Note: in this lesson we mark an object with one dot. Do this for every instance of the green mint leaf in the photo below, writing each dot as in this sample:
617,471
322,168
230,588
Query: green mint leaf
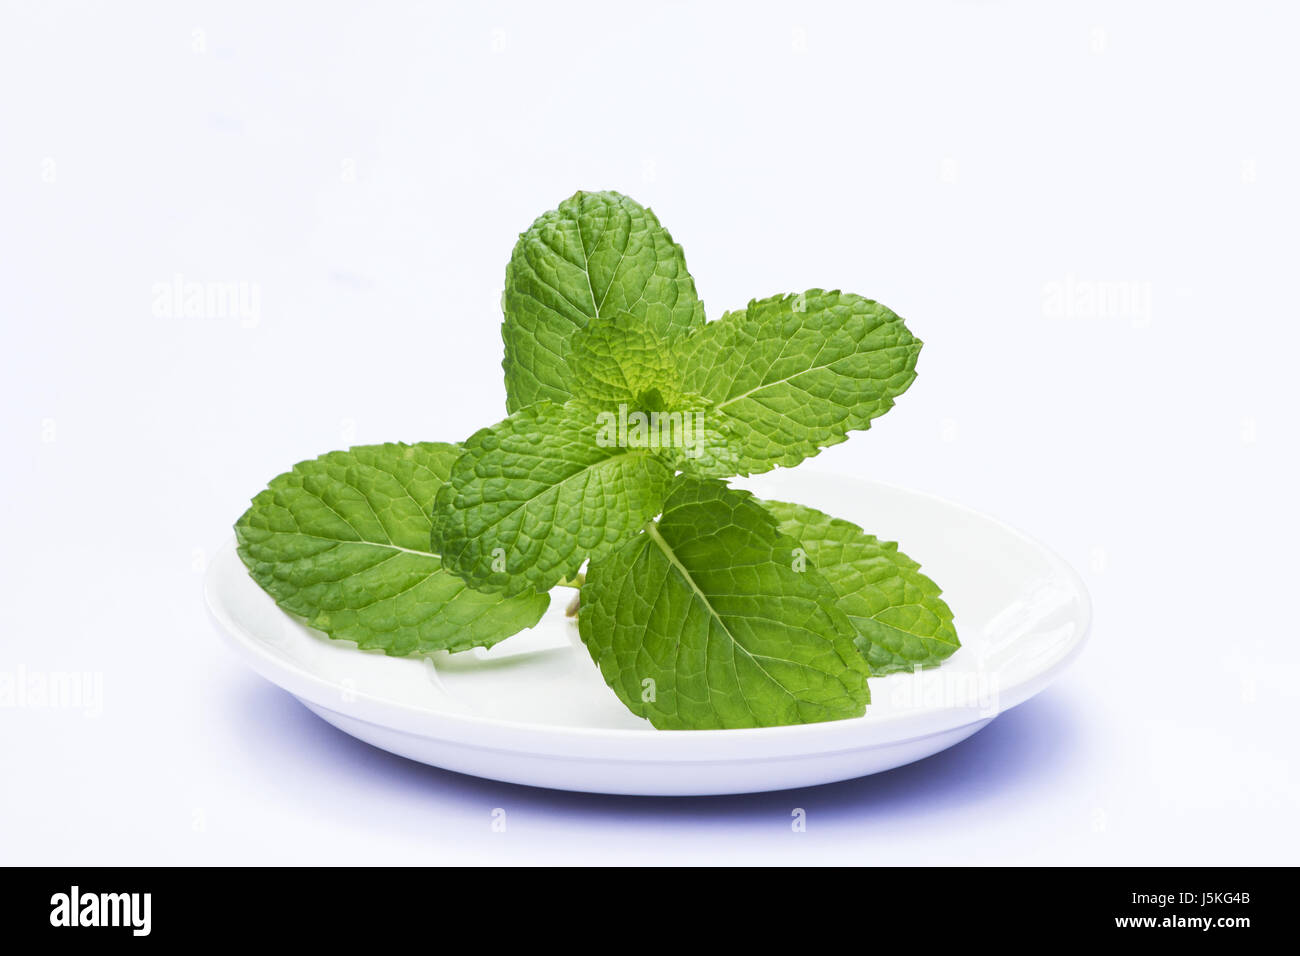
623,358
533,496
597,255
342,542
703,621
622,365
793,374
901,620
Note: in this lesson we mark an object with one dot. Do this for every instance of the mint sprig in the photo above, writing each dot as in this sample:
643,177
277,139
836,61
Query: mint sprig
702,606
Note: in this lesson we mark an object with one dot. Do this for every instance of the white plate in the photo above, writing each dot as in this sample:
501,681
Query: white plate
534,710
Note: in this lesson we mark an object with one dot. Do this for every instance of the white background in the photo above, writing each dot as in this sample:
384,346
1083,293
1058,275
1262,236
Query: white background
367,167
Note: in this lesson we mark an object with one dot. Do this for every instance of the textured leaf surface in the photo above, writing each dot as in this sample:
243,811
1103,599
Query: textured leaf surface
900,618
791,374
533,496
622,359
623,365
342,541
703,622
598,254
